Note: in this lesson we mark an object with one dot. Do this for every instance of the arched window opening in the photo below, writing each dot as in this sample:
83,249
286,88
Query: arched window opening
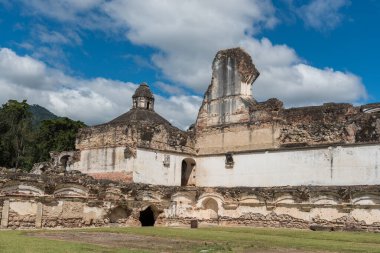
188,176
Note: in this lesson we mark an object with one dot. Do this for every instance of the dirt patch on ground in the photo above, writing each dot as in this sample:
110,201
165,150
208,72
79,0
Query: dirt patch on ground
148,243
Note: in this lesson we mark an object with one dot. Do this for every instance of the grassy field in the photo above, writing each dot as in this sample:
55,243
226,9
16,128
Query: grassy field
151,239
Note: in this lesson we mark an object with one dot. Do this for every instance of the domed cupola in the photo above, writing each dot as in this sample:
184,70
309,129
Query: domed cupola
143,98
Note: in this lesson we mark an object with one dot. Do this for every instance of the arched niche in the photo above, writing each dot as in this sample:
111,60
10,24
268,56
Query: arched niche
119,214
211,207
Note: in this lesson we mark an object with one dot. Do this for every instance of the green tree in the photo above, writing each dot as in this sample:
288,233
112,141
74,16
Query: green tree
25,140
16,134
56,135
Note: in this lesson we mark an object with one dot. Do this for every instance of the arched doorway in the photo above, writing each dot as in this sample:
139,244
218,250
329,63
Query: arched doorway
147,217
188,172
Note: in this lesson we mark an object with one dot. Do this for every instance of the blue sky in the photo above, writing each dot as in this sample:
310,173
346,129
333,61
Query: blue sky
83,59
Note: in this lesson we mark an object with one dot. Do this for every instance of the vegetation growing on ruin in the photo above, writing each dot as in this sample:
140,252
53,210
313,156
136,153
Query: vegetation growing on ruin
216,239
29,133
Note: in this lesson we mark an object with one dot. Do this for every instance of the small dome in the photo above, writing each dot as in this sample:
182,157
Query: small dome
143,91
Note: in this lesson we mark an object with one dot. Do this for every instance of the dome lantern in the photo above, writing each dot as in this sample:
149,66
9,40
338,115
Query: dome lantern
143,98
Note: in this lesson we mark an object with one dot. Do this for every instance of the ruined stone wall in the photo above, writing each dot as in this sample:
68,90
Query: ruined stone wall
77,200
225,99
236,138
231,120
144,135
275,127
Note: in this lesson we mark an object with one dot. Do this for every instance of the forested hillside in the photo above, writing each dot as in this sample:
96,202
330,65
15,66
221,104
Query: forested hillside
40,114
29,133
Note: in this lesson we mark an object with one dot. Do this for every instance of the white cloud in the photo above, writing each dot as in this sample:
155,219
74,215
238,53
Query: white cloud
93,101
322,14
285,76
187,35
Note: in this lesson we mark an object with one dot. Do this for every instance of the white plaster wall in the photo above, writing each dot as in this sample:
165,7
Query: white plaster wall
103,160
350,165
148,168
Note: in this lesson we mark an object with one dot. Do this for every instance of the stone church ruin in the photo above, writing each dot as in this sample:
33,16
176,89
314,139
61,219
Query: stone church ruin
243,162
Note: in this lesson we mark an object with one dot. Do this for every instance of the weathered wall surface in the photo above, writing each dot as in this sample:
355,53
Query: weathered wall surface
230,120
134,146
339,165
145,166
154,167
77,200
152,132
237,137
225,100
118,147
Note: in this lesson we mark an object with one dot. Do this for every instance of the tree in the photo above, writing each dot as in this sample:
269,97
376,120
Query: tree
15,133
56,135
23,143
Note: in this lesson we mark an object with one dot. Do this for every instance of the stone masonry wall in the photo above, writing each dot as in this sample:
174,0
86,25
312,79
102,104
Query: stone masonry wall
77,200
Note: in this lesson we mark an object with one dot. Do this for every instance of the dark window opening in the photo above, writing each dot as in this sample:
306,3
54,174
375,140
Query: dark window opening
64,160
184,178
147,217
229,160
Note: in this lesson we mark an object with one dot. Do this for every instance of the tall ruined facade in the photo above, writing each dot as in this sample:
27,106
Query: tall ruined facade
243,162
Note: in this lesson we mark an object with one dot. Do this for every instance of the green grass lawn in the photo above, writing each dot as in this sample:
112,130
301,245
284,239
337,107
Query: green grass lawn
216,239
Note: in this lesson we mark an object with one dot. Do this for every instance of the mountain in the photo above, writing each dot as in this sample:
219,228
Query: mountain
40,113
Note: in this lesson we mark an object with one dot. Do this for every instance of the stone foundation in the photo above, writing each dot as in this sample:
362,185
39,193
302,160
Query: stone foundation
73,200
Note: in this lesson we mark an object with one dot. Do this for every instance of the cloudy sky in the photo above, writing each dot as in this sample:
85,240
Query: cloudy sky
84,59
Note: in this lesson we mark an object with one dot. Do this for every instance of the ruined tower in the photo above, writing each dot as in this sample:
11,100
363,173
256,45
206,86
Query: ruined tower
229,95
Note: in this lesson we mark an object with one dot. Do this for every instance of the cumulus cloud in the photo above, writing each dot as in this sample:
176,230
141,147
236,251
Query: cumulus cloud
322,14
285,76
91,100
187,34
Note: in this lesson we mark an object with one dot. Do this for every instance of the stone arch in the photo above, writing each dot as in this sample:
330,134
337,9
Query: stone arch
327,199
366,199
249,199
188,172
284,199
63,160
22,189
71,191
119,214
148,216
